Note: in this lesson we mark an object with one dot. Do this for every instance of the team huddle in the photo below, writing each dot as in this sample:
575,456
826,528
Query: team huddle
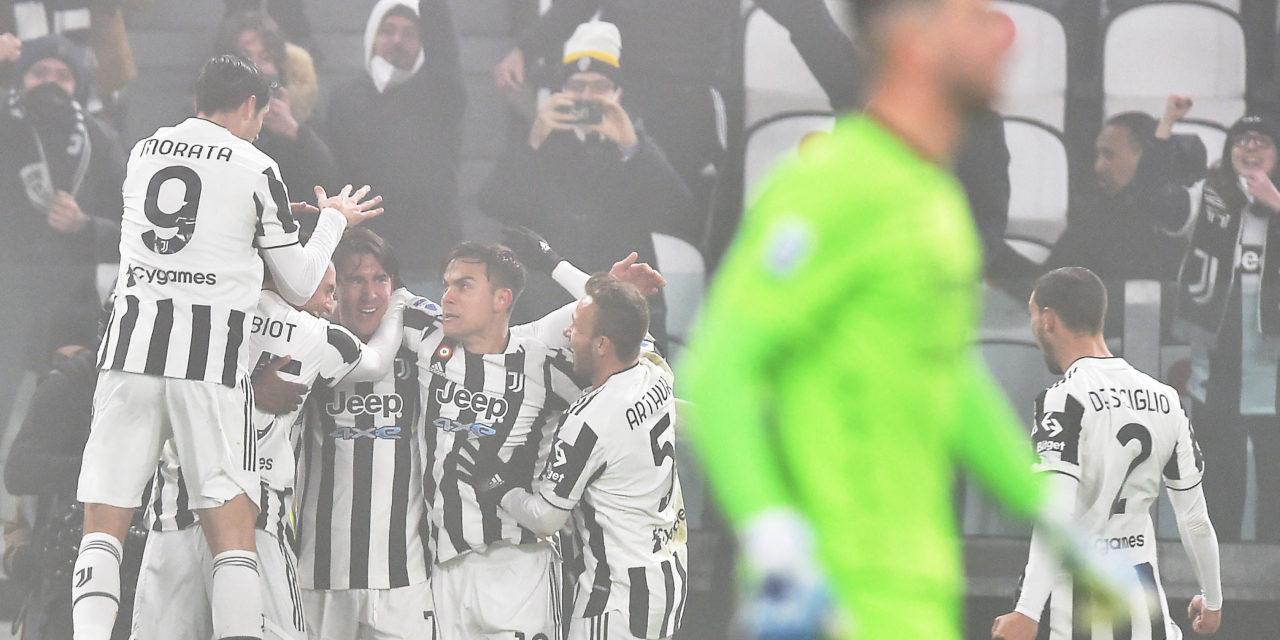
440,473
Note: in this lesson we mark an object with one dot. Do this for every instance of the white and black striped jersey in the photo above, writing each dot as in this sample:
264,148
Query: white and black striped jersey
613,464
503,403
321,353
198,205
361,515
1120,433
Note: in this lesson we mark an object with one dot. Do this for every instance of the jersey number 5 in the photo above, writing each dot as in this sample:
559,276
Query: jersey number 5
183,219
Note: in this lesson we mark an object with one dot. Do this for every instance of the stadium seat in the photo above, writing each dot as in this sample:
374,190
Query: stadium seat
685,271
1159,48
1212,134
775,77
774,140
1038,179
1035,75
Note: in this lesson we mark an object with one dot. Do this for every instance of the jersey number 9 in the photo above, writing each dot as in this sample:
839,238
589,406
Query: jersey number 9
183,219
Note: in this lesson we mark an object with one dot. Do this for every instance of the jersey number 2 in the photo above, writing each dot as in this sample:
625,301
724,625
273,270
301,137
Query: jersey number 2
183,219
1129,433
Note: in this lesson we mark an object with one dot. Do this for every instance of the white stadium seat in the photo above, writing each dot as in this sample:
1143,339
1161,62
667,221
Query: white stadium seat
685,271
1213,136
1175,47
775,77
1039,180
1035,75
772,142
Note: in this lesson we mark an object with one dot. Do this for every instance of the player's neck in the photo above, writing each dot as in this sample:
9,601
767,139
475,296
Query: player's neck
1082,347
918,112
226,120
492,339
607,369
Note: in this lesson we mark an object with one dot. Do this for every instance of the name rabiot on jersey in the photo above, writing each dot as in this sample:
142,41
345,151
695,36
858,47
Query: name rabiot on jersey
361,514
199,203
321,353
502,403
613,464
1119,432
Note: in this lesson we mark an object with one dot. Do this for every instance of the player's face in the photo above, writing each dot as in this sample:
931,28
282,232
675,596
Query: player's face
582,338
364,288
1253,152
976,39
470,304
50,70
1042,338
1117,159
323,300
397,41
251,47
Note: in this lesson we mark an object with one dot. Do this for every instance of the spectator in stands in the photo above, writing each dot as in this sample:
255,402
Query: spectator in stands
305,160
1128,227
10,51
61,172
45,462
593,190
399,128
98,31
1228,308
290,15
677,54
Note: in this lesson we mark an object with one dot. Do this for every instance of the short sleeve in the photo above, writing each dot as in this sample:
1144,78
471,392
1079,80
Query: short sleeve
1185,467
275,227
1056,433
421,319
339,355
577,457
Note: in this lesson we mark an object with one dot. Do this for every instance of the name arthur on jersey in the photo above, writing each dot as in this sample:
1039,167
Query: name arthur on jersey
650,403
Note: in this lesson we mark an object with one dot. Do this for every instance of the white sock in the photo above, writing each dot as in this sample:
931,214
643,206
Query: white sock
95,587
237,596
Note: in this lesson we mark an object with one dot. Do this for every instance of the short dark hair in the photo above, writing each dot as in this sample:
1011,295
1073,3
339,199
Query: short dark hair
1077,295
363,241
868,17
1141,126
501,265
226,81
622,314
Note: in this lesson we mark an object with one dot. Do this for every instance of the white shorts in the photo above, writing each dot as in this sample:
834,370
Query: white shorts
404,613
172,601
610,625
503,592
133,414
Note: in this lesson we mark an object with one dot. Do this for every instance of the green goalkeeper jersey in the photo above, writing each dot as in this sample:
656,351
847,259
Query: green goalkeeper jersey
833,372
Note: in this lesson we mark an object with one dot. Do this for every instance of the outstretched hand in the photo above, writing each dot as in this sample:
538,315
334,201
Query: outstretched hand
644,277
349,204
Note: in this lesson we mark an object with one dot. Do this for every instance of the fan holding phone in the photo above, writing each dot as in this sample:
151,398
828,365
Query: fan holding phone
588,101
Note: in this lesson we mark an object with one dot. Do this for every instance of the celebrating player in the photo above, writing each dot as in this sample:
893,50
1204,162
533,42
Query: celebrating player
1106,434
612,467
301,347
174,358
831,417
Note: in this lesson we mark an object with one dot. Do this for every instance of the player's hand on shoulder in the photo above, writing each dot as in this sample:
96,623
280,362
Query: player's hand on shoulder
1014,626
644,277
1203,620
351,204
273,394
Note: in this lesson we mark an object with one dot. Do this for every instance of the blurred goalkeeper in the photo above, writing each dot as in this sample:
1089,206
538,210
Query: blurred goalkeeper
830,420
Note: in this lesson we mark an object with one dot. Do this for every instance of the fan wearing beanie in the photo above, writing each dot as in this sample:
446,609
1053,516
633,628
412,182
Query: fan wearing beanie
588,177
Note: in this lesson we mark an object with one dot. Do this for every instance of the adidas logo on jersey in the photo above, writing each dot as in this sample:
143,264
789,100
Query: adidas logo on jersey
436,369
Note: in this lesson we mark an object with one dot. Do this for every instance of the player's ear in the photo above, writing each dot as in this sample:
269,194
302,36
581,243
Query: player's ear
503,299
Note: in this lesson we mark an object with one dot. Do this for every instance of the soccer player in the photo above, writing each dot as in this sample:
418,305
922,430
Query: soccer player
174,358
303,348
1106,435
833,381
495,388
613,468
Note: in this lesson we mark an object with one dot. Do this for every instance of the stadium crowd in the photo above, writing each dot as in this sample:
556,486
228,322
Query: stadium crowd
623,134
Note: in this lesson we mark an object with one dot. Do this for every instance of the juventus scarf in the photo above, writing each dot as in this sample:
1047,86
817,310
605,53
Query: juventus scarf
1209,270
54,153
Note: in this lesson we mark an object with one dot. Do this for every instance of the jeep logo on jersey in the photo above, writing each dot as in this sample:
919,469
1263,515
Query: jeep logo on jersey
485,406
450,425
387,405
356,433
